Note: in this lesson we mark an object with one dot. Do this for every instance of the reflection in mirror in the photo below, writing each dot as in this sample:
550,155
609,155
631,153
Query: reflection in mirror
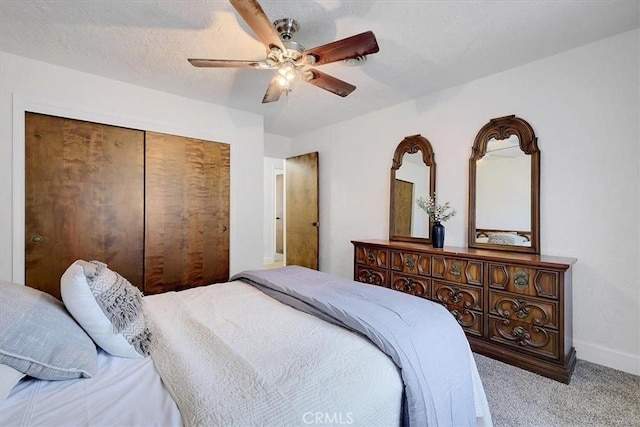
412,176
412,181
504,187
503,202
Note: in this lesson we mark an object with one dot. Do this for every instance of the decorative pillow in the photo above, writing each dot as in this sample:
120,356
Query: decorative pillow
9,377
506,238
40,339
108,307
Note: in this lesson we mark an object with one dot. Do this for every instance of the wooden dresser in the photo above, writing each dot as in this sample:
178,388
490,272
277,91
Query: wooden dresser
514,307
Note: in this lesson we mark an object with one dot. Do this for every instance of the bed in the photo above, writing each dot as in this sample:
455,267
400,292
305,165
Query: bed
239,353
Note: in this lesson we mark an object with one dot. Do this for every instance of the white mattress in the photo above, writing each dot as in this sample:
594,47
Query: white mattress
282,348
124,392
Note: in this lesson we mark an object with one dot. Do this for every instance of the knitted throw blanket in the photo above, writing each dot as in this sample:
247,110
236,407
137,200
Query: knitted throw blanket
121,303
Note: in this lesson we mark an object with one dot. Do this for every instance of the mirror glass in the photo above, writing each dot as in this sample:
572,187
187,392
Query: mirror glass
412,181
504,187
412,176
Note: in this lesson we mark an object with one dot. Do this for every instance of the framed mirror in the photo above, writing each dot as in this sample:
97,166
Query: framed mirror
504,187
413,174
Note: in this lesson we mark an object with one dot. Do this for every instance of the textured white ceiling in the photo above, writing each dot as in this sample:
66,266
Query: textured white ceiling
425,46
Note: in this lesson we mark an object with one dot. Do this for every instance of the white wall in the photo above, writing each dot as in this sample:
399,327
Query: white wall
584,108
36,86
276,146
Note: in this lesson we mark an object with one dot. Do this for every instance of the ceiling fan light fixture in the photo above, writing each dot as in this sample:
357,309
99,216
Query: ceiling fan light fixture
283,82
287,70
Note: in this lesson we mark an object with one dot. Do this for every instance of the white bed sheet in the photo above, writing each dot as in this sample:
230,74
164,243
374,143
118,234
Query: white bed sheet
124,392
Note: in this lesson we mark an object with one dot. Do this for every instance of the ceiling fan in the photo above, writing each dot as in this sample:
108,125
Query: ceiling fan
289,58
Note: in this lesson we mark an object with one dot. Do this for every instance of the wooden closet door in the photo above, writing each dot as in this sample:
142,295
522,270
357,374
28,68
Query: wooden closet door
187,212
84,199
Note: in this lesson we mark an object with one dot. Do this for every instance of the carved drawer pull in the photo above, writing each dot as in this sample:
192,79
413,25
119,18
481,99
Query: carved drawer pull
371,257
455,269
455,295
410,262
521,279
522,311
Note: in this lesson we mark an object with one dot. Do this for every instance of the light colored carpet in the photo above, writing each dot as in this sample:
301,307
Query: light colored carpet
596,396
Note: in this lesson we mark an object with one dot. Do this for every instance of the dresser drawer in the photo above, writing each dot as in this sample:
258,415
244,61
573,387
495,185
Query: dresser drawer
414,285
457,270
411,263
372,257
525,337
524,280
462,302
527,310
371,275
452,294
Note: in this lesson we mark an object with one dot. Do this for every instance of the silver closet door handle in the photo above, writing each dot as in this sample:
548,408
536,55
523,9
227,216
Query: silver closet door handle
37,239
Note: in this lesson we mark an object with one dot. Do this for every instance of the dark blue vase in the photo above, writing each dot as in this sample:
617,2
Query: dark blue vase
437,235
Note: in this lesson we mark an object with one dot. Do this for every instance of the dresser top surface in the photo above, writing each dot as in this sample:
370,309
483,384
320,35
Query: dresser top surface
484,254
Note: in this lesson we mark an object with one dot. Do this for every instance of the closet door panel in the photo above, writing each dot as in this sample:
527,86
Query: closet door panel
187,211
84,198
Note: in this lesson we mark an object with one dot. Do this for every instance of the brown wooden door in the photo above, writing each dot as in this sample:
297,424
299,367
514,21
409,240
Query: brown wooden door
84,198
302,224
279,202
187,212
404,207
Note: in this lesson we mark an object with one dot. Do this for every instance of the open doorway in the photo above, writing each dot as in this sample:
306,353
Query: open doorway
279,216
274,212
291,229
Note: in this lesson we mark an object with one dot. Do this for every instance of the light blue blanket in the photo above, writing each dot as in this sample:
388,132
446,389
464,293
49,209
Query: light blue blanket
421,337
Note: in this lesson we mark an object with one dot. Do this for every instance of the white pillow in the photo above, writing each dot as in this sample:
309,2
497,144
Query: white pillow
506,239
81,303
9,377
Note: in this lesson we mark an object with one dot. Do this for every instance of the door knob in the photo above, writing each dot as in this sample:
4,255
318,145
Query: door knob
315,224
37,239
277,217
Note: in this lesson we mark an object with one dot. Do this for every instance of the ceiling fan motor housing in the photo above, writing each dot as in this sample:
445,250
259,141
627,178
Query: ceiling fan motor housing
286,27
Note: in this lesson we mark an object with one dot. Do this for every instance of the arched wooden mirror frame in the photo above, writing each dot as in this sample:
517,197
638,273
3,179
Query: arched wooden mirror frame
502,128
411,145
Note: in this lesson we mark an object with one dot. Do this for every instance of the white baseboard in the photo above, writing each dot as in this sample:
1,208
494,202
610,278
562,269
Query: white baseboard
619,360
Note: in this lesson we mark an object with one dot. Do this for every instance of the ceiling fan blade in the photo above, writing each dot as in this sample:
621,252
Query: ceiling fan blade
327,82
274,90
229,63
254,16
351,47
